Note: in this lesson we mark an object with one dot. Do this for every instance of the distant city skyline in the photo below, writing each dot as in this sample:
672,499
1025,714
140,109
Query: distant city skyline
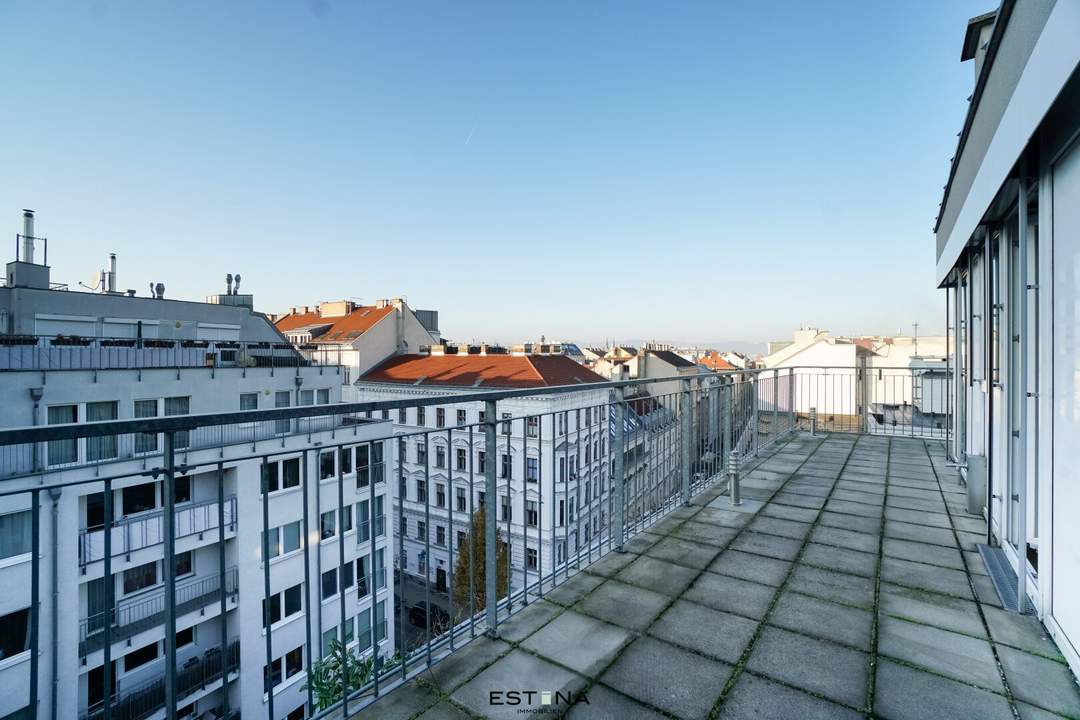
683,173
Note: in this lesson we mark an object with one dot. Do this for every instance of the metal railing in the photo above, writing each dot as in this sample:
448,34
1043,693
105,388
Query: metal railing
131,617
485,516
74,352
142,530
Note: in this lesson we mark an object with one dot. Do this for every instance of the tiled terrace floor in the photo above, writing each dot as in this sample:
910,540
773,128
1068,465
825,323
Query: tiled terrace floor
848,586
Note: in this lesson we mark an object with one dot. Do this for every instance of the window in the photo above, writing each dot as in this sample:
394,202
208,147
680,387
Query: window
532,469
328,637
440,456
346,459
282,398
14,633
15,533
364,619
562,469
560,519
183,564
462,418
531,558
440,495
101,448
532,515
139,498
506,469
380,569
363,520
138,658
380,624
507,425
461,539
346,519
402,416
532,426
326,465
284,539
482,416
322,396
561,417
420,416
283,475
63,451
306,397
440,535
362,576
140,577
95,512
328,524
507,511
146,442
459,499
329,583
298,713
421,530
403,528
440,417
249,401
421,491
347,576
421,452
481,464
461,459
294,661
182,489
185,637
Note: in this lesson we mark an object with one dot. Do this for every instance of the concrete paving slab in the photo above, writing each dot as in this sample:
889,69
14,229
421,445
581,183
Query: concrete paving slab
627,605
747,566
823,619
946,653
611,564
718,634
934,609
851,522
445,710
924,553
720,512
658,575
795,499
918,517
845,538
449,673
768,545
819,667
789,512
605,703
927,577
757,698
518,671
525,621
1041,682
776,526
677,681
402,703
840,559
837,587
849,507
641,542
705,533
903,693
683,552
732,595
1021,631
581,643
920,533
568,592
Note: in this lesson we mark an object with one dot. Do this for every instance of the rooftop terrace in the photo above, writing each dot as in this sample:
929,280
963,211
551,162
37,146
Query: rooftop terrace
846,585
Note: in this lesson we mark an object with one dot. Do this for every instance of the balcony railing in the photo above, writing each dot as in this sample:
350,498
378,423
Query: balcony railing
145,699
653,451
131,617
70,352
136,532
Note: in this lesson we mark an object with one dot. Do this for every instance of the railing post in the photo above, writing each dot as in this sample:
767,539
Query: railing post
491,456
726,420
169,530
864,383
754,388
813,421
774,430
618,475
733,478
687,431
791,399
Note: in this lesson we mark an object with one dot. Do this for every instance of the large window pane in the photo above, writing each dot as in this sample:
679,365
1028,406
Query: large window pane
15,537
146,442
178,406
100,448
63,451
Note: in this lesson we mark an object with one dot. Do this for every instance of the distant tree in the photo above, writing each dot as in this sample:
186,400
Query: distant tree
473,551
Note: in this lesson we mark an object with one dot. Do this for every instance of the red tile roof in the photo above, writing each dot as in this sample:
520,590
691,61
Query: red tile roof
489,371
713,361
343,328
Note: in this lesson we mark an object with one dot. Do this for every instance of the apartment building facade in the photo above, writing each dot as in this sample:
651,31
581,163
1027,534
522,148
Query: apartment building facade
1008,245
74,357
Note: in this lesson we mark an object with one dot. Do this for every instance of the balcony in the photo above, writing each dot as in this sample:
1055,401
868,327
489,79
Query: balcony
200,673
144,530
147,611
846,584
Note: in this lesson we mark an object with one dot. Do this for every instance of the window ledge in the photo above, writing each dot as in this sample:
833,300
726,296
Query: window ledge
15,560
14,660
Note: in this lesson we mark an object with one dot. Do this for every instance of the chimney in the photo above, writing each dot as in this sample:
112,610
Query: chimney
228,283
236,284
112,273
28,236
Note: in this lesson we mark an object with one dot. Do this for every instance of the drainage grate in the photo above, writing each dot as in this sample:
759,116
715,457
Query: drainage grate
1003,577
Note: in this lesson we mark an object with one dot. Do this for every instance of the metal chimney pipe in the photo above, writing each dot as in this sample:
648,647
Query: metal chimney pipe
28,236
228,284
236,284
112,273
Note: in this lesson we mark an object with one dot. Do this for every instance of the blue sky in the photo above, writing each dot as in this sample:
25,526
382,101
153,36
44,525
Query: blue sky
685,172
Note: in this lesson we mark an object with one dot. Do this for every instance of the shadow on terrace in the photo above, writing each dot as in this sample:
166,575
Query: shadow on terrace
846,584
